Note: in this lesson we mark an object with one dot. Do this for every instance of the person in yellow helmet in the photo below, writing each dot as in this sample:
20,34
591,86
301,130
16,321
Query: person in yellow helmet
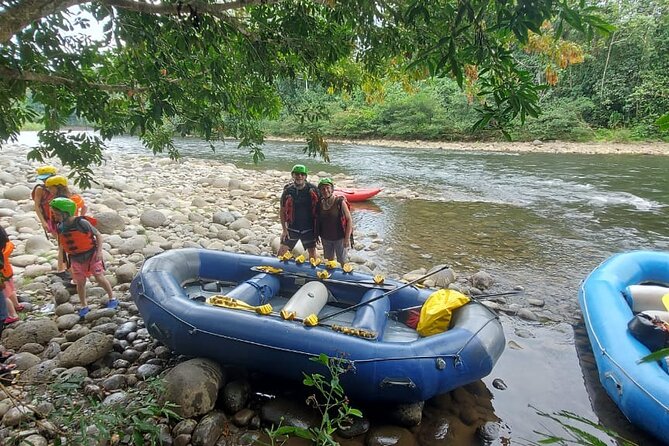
41,197
57,186
299,213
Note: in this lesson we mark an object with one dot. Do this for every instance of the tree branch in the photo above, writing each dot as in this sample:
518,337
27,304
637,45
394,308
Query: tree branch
16,17
50,79
219,10
21,14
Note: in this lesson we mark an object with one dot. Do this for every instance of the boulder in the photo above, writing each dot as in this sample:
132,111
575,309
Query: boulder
109,222
86,350
193,385
17,193
152,218
38,244
39,331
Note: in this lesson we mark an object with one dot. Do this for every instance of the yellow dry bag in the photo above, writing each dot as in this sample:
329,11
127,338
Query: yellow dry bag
435,316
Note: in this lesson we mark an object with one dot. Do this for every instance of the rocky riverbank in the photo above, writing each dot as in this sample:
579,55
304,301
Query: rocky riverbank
80,378
537,146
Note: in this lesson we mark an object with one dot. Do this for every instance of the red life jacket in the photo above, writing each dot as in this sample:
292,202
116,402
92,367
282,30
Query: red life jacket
289,203
7,272
75,240
45,198
342,215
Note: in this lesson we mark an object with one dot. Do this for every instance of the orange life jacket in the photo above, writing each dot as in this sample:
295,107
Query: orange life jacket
7,272
78,202
45,198
74,239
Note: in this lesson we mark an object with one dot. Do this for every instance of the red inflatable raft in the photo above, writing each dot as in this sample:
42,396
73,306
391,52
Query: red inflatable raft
354,195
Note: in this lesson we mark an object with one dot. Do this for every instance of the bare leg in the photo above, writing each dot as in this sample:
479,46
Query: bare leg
104,283
312,253
61,259
11,310
81,291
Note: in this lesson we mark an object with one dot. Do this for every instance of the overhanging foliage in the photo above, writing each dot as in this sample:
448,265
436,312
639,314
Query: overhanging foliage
210,69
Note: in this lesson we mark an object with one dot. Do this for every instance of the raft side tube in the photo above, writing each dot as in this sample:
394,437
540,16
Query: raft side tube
373,316
645,297
258,290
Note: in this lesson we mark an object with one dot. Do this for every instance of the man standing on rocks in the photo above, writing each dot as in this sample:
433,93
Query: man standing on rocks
299,213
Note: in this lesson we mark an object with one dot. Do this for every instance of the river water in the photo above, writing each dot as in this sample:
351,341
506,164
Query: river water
540,221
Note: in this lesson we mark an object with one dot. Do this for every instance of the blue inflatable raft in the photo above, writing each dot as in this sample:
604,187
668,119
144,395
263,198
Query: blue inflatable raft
641,390
179,292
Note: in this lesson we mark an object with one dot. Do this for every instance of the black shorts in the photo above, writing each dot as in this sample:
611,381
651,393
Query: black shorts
306,235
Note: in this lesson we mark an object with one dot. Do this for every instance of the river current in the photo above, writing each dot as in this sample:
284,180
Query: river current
537,220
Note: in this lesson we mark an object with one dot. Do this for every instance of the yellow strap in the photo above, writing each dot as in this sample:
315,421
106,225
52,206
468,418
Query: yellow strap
323,274
311,320
331,264
300,259
234,304
269,269
286,256
347,267
379,279
315,262
665,301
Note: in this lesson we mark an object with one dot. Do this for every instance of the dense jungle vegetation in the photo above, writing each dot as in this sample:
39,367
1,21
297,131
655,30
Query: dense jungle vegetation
616,91
431,69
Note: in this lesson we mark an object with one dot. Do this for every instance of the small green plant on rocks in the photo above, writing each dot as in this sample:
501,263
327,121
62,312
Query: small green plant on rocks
133,419
329,400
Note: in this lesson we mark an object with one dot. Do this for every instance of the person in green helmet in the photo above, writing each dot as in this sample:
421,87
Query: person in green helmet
299,213
82,244
334,222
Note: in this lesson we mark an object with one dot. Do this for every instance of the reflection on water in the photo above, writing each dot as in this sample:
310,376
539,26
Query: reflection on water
543,221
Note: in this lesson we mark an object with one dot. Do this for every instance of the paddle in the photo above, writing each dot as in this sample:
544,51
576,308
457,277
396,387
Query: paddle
388,293
477,297
266,310
357,283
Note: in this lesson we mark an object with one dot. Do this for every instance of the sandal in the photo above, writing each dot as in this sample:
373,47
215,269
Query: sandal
11,320
84,311
20,307
6,368
113,303
5,355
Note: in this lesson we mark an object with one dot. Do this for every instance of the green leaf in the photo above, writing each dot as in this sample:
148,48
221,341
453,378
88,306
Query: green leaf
655,356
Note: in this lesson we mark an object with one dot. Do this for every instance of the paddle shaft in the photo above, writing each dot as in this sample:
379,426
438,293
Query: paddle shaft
337,281
480,296
388,293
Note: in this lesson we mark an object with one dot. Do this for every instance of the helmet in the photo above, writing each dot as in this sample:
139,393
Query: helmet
44,172
299,168
63,204
325,181
56,180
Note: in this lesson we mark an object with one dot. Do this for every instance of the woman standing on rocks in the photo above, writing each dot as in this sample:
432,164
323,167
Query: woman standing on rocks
41,197
335,223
